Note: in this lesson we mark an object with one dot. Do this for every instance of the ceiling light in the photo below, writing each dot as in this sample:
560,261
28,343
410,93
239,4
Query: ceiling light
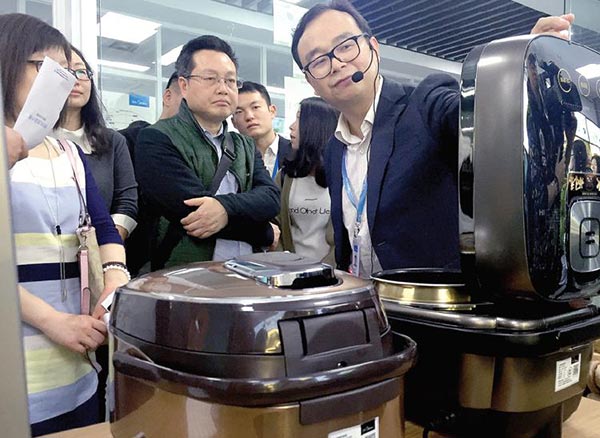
589,71
123,65
125,28
171,56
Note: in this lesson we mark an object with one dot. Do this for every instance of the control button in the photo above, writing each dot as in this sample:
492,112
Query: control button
588,246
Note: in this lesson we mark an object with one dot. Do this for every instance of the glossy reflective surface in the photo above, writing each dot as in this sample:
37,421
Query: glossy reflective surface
529,150
207,308
560,159
144,409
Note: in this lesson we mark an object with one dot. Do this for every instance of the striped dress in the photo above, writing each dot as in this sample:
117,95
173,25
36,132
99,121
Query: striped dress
58,379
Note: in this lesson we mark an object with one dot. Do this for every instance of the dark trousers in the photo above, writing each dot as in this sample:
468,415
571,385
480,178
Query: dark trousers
84,415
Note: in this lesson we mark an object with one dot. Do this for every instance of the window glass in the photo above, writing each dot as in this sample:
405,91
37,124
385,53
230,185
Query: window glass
279,65
171,42
247,26
249,59
586,29
178,22
41,9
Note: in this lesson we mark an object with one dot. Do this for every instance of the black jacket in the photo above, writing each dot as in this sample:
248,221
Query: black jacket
284,151
412,207
169,173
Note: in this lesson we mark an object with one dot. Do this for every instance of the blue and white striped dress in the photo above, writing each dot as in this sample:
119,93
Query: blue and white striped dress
58,379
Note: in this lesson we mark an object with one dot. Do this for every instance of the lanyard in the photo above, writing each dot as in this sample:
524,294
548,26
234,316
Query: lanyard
360,206
275,167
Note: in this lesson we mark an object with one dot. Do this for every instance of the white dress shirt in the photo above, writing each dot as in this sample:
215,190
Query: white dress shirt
227,249
357,164
270,155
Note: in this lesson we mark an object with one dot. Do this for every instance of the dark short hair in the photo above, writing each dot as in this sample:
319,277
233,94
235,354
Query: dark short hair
173,79
317,124
316,11
250,87
21,36
185,63
94,124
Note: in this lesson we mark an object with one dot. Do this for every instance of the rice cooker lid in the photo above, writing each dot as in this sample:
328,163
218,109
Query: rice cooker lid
236,306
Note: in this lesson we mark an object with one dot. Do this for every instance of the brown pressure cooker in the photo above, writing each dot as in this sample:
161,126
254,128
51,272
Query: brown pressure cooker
269,345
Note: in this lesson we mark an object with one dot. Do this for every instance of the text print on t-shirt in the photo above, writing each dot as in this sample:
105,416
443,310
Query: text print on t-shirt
311,211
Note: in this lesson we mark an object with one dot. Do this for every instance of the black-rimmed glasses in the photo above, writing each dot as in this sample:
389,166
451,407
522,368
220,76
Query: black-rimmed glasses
346,51
82,74
36,63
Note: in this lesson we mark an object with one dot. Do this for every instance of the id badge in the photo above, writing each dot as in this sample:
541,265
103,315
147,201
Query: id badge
355,266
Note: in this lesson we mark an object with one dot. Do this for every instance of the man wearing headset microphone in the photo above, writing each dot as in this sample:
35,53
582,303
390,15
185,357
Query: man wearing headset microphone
392,163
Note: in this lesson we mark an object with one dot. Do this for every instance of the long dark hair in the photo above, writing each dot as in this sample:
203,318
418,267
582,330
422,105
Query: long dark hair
94,125
21,36
317,124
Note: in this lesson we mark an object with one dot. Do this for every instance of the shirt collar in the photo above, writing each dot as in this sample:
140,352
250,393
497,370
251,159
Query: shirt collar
209,134
342,131
274,147
78,136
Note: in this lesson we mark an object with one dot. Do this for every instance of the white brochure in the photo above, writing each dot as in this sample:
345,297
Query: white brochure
44,102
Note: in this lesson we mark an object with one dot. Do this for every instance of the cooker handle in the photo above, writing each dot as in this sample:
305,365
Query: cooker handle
265,392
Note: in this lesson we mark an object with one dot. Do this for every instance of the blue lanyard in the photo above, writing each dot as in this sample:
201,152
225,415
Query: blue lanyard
275,167
360,206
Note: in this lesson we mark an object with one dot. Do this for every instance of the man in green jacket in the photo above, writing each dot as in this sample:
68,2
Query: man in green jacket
178,158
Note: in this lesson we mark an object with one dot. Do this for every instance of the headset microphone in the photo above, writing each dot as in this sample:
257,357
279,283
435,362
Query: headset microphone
357,76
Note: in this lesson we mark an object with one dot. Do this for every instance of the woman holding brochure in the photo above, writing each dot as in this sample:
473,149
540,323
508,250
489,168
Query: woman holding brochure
61,380
15,146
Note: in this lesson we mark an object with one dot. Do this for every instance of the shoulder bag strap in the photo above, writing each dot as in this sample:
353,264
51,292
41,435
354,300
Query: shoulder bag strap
84,249
84,216
227,157
174,233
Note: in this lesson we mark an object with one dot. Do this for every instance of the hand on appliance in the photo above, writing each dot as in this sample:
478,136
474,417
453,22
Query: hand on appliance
555,25
17,149
276,236
76,332
209,218
100,310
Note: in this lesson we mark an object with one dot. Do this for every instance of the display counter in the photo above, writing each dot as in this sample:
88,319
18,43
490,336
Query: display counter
584,423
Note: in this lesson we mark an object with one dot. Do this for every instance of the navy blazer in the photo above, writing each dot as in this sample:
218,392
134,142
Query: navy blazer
283,151
412,199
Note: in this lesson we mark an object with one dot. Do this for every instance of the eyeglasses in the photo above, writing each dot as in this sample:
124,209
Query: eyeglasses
346,51
36,63
82,74
211,81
